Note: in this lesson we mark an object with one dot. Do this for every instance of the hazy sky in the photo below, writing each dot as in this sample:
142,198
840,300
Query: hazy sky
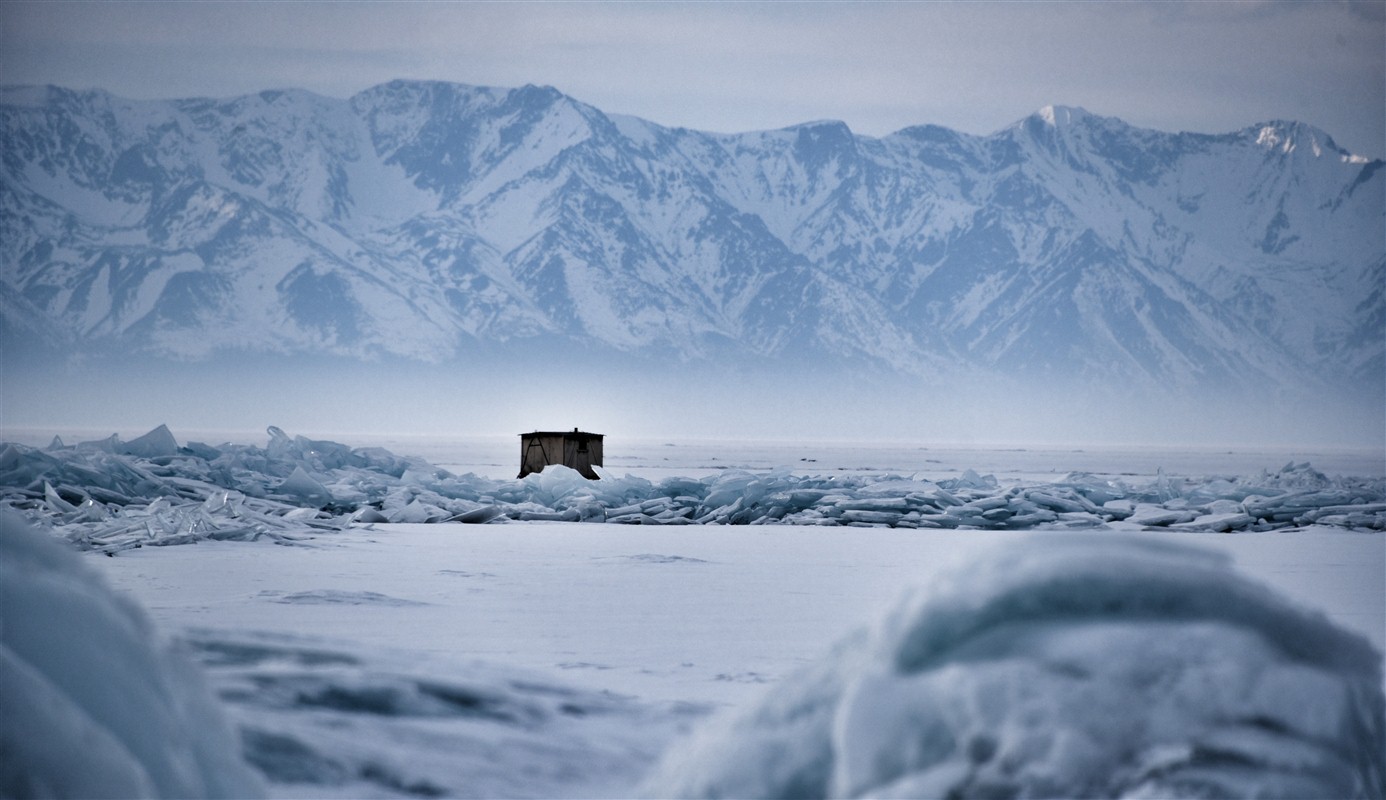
736,66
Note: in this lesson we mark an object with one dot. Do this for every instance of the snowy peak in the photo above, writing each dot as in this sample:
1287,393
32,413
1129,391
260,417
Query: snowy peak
1073,138
445,135
1062,116
1068,121
1296,137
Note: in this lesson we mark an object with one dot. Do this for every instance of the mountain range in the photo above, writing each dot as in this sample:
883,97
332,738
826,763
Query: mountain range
438,222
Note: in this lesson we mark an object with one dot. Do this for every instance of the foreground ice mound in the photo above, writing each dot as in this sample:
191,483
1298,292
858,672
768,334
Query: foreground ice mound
1067,666
90,704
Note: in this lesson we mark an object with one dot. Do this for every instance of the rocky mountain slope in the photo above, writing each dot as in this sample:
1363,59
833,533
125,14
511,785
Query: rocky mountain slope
431,221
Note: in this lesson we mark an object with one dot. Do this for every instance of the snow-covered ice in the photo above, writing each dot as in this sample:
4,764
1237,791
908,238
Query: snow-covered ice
547,658
327,718
677,623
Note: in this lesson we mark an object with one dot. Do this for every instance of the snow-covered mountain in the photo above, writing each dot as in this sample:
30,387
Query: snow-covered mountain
431,220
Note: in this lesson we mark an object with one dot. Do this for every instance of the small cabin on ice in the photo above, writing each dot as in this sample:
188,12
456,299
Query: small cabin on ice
576,449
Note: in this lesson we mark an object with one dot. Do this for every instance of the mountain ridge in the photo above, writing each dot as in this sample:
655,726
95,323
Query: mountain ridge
427,219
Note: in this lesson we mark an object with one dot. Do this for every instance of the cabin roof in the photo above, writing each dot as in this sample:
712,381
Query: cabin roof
574,434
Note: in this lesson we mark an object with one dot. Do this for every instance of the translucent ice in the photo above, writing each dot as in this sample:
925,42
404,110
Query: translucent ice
301,485
158,442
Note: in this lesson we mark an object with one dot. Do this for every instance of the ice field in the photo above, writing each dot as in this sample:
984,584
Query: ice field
537,658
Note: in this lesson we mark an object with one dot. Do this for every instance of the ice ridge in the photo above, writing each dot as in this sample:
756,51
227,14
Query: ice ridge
108,495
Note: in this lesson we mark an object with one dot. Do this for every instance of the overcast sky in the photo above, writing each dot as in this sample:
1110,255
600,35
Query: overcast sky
736,66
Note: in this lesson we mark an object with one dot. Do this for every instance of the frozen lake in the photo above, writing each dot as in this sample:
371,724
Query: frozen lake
682,622
699,613
329,653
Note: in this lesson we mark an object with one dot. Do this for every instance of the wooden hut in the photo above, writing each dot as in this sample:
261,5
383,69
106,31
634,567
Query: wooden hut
576,449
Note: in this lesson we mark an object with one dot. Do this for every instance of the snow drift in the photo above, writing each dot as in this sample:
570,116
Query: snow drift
90,704
1069,666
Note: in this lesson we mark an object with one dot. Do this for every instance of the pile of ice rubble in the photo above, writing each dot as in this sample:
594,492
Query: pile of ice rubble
1065,666
109,495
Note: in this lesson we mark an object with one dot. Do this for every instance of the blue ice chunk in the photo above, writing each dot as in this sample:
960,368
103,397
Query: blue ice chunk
156,443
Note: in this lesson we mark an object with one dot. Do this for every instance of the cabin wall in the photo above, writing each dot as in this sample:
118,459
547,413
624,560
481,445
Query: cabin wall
534,457
537,452
582,458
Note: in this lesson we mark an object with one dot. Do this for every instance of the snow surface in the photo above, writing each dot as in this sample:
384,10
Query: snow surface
540,659
669,625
